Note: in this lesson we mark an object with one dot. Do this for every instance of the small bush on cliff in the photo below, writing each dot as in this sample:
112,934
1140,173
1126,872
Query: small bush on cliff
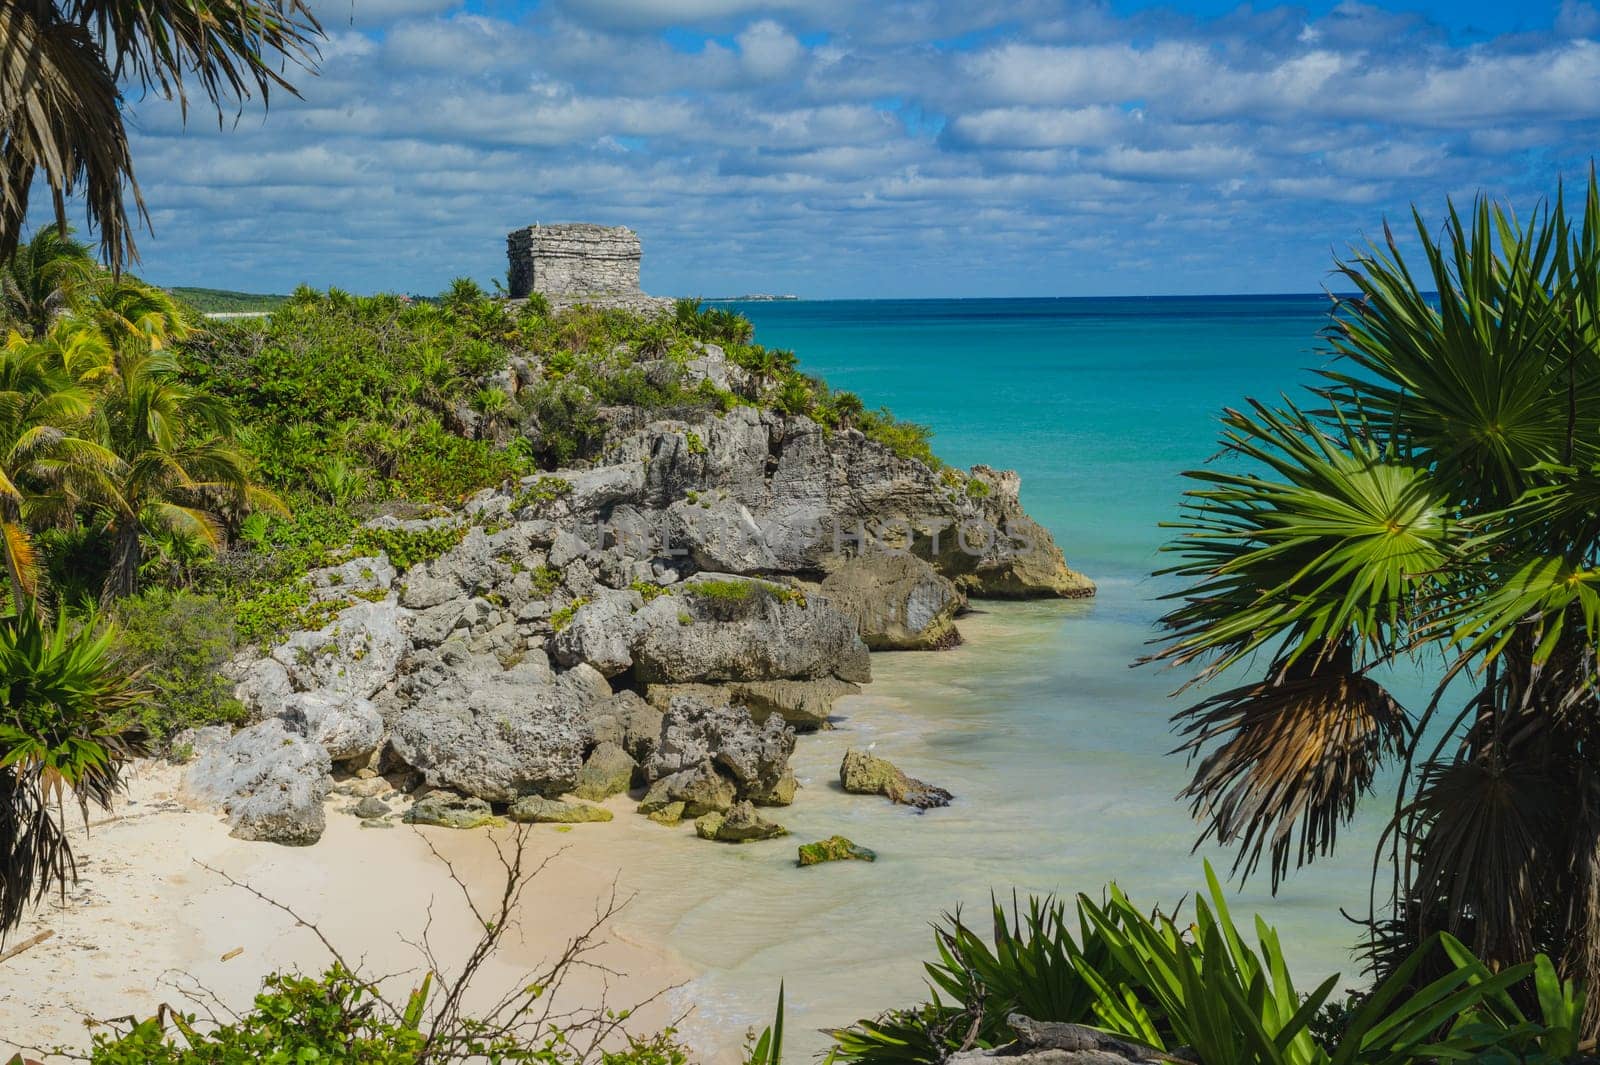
177,641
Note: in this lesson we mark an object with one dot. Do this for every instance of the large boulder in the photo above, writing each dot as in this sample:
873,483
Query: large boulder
270,781
538,810
347,726
866,774
601,633
630,722
717,627
498,735
719,534
833,849
355,653
898,601
755,757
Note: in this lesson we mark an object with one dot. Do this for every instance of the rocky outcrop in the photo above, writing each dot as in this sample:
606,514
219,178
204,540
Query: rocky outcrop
755,758
606,772
899,602
497,734
268,780
865,774
695,790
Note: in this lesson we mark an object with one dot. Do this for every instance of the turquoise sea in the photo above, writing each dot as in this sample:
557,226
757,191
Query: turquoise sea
1055,747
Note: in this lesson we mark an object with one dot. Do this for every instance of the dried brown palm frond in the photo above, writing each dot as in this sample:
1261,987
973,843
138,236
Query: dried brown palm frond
60,118
1283,763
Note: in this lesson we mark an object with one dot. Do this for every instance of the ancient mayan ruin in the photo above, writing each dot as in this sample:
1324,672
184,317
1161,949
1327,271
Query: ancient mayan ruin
579,262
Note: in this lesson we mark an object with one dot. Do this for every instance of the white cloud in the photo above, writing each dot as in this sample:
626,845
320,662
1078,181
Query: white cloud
767,49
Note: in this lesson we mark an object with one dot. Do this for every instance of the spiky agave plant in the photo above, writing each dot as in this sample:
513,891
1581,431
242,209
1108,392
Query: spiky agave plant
1441,498
61,698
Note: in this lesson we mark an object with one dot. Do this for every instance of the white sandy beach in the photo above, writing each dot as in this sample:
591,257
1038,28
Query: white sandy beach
148,923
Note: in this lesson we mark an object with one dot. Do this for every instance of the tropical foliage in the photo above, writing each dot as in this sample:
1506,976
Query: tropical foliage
1195,991
1435,497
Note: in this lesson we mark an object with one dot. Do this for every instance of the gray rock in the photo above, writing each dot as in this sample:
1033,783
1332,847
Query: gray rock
347,726
628,721
268,780
606,772
719,535
366,575
371,807
601,633
497,735
756,757
898,602
535,809
355,653
448,810
263,687
715,627
700,789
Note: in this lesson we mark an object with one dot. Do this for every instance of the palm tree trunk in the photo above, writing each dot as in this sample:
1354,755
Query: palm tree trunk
123,578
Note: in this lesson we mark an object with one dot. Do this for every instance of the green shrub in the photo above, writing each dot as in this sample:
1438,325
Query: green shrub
408,547
561,618
179,640
906,439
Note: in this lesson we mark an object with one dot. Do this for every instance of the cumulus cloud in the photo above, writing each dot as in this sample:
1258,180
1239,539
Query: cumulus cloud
904,148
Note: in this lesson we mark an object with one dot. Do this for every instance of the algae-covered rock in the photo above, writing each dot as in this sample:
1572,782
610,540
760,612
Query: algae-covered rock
866,774
834,849
668,814
536,809
741,824
449,810
606,772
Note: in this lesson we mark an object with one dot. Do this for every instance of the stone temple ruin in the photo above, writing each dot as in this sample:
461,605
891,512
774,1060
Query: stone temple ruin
579,262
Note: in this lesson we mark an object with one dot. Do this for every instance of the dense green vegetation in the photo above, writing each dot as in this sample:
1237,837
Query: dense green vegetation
221,300
1195,990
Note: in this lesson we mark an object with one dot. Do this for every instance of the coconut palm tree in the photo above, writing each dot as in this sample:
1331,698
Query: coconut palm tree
43,279
176,465
59,739
64,65
43,462
1441,501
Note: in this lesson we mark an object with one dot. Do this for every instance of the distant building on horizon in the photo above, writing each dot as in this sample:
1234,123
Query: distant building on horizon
574,263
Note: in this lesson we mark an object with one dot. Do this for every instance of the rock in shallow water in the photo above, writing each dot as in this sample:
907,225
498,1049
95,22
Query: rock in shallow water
865,774
741,824
833,849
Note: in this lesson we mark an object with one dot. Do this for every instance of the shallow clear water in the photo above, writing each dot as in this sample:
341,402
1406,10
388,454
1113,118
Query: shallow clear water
1055,748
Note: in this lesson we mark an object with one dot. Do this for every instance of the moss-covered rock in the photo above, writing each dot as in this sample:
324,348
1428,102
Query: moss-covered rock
670,814
834,849
449,810
606,772
741,824
866,774
535,809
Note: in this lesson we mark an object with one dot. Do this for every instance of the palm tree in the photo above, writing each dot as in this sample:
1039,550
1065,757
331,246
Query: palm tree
176,466
59,709
1442,500
42,462
44,279
62,67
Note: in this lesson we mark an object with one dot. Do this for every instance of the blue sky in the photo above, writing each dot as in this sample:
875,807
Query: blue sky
898,148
